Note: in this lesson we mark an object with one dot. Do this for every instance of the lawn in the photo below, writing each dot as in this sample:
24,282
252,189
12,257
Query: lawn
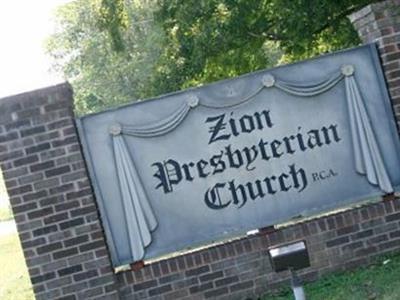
5,213
380,281
14,278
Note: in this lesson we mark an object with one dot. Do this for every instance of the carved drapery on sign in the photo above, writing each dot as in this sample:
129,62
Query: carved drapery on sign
367,156
368,159
138,212
139,215
164,126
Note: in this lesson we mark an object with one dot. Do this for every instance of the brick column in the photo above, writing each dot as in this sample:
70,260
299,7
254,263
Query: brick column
51,197
380,23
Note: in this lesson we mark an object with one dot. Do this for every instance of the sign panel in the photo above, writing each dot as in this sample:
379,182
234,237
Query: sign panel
204,164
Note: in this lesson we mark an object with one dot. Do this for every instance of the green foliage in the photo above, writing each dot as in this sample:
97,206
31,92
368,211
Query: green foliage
373,282
209,40
214,39
84,52
113,18
114,51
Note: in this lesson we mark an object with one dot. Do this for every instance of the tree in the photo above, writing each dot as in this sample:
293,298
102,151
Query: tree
216,39
114,51
105,71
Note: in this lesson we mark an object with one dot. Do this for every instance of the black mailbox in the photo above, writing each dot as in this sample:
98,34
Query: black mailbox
289,257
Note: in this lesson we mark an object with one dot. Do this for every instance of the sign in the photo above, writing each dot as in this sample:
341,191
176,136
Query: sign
209,163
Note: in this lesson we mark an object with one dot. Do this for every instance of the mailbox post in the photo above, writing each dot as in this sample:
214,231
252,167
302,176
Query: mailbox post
291,257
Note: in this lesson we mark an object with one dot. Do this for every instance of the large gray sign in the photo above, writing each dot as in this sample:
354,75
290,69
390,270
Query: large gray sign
204,164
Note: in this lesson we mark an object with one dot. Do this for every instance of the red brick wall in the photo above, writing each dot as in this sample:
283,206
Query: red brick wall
51,197
62,236
380,23
242,269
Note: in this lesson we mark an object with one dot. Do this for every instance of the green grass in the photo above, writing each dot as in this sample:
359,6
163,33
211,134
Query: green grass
5,213
381,281
14,278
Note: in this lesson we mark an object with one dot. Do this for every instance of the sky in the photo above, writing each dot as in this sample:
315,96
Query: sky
24,26
24,66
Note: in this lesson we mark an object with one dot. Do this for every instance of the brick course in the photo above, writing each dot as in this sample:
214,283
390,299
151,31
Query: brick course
62,236
379,23
51,198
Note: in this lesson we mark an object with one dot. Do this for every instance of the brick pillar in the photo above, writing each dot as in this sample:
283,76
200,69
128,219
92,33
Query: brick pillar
380,23
51,197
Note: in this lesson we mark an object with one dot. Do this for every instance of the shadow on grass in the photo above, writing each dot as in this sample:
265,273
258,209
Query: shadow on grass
377,281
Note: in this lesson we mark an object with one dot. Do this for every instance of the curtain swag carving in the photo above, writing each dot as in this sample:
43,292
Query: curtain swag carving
139,215
138,212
